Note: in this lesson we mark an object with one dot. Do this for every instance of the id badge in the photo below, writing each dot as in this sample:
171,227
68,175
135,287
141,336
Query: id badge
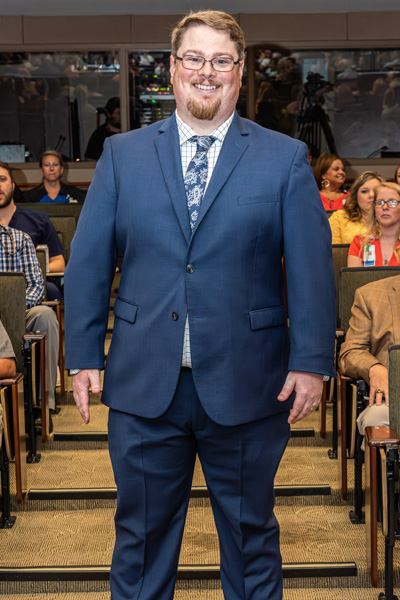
369,256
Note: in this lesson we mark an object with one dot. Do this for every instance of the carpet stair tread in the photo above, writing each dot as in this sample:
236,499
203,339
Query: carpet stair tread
70,420
80,537
91,468
214,594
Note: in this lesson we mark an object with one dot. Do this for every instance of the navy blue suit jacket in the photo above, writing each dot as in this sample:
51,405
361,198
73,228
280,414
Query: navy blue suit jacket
261,203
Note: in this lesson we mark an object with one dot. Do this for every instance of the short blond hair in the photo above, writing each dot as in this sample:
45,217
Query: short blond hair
221,21
50,153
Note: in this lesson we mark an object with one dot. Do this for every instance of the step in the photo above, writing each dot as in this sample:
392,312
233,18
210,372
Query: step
194,591
62,474
84,539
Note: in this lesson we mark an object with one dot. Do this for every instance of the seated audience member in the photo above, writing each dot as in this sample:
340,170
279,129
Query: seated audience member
380,245
330,175
7,356
52,189
373,327
352,219
109,128
36,224
397,175
17,253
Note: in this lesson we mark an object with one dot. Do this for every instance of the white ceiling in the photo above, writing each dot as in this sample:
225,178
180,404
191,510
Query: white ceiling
102,7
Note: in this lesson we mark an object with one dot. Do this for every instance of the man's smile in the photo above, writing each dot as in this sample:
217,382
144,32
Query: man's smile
207,88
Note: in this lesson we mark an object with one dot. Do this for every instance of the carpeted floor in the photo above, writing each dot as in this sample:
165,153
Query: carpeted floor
195,594
80,532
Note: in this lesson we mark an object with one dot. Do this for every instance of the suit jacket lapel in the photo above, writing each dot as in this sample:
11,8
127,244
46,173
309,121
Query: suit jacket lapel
167,146
394,299
235,143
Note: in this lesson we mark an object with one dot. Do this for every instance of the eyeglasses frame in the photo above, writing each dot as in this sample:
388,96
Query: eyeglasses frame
236,62
387,202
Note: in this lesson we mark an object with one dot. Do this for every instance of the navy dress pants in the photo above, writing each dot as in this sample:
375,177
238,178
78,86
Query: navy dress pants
153,461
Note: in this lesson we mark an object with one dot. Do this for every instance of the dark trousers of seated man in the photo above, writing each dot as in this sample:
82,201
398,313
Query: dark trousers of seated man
153,462
43,318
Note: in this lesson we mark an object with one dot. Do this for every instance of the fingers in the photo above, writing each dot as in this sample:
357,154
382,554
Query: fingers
288,388
81,383
377,396
308,388
378,385
94,378
302,407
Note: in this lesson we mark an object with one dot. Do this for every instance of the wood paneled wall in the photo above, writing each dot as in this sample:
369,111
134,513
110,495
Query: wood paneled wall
144,30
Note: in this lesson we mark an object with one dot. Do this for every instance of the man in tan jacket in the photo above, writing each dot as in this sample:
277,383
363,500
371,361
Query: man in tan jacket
373,327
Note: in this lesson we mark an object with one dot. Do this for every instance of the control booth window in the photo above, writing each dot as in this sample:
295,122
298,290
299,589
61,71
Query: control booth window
341,101
150,91
56,100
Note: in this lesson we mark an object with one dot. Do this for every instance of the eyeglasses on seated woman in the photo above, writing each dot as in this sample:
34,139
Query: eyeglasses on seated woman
380,245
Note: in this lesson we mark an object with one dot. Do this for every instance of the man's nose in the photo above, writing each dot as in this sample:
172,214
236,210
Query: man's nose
207,69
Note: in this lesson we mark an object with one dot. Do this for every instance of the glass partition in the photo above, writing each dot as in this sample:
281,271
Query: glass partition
344,101
150,91
54,100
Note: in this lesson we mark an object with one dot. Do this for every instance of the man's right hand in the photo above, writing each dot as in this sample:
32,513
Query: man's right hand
378,380
81,383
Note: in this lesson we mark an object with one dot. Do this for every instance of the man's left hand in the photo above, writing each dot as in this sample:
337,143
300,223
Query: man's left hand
308,388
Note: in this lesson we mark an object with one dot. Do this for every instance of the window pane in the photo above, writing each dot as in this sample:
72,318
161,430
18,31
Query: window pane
51,101
344,101
150,92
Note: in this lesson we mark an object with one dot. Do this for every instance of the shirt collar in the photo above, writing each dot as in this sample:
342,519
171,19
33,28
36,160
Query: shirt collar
186,132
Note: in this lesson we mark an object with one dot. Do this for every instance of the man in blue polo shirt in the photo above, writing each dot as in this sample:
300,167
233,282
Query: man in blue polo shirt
36,224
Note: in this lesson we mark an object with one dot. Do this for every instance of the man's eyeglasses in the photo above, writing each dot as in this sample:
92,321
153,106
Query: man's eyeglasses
392,203
219,63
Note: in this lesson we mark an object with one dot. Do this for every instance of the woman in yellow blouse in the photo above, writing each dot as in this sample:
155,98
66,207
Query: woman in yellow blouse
351,220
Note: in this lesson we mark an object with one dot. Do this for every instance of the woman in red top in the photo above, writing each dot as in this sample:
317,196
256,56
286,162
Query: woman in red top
330,176
380,245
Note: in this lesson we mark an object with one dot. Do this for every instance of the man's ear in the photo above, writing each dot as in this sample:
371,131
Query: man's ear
172,66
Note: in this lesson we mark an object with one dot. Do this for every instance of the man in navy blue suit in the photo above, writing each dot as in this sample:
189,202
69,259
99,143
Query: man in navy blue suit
202,208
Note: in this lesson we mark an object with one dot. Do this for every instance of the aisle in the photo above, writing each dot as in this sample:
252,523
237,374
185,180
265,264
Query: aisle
61,545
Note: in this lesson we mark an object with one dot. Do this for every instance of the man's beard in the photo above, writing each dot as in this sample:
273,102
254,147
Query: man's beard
7,200
204,112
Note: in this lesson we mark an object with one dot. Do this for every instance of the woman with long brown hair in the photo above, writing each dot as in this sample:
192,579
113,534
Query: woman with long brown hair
352,220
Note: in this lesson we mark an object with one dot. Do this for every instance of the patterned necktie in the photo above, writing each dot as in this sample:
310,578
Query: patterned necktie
196,176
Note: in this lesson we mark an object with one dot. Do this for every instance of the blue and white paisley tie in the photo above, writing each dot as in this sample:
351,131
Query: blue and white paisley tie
196,176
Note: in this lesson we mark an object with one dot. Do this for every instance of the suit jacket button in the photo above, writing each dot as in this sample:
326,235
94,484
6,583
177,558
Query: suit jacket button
190,268
175,316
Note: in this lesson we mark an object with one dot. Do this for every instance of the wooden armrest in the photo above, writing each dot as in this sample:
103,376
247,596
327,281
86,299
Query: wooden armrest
52,303
35,336
11,380
55,274
345,377
380,435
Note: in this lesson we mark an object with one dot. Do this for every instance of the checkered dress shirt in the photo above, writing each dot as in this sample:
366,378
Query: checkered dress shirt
188,150
17,253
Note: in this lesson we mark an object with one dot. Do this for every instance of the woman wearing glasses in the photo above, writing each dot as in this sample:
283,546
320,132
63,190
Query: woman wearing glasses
380,245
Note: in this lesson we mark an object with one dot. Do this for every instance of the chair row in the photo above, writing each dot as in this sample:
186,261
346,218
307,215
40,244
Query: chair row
350,400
